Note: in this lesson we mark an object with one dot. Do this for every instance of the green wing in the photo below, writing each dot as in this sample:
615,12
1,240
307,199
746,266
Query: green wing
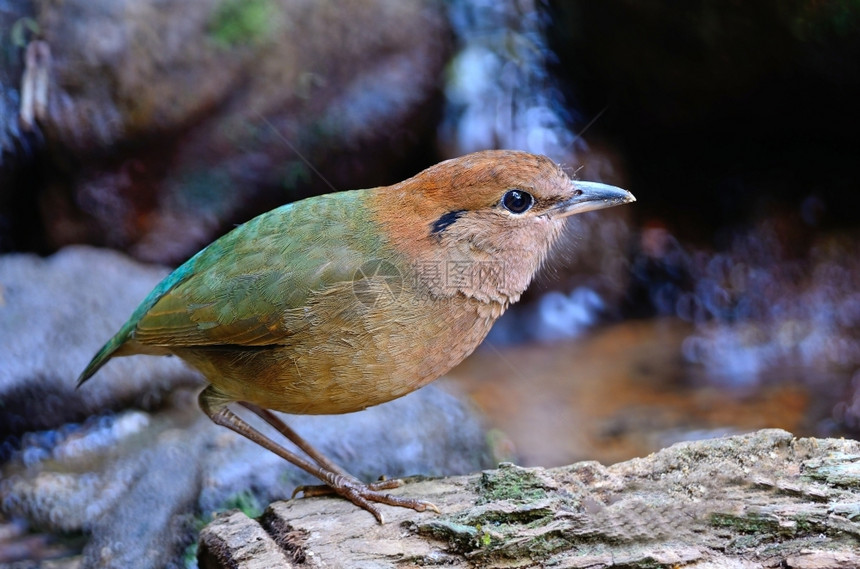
249,287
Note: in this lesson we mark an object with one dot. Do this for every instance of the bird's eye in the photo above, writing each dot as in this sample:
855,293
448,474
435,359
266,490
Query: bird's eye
517,201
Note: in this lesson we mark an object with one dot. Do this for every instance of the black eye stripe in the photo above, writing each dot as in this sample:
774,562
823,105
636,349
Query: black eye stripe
517,201
445,220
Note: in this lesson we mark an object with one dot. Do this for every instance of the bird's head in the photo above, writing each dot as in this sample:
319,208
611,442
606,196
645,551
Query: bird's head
487,220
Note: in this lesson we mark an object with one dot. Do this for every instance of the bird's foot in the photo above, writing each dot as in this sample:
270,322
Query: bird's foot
313,490
366,495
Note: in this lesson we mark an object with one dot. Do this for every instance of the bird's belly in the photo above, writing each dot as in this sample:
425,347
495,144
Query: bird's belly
342,365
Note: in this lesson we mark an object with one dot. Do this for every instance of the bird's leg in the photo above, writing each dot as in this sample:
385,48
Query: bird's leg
312,452
294,437
316,455
215,405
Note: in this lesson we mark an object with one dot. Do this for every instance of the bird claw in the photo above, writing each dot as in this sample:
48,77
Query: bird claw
385,483
365,495
314,490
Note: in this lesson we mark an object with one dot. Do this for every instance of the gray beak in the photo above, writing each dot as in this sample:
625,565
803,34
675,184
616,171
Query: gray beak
591,196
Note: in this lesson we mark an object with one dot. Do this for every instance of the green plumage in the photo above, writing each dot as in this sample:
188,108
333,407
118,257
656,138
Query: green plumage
237,290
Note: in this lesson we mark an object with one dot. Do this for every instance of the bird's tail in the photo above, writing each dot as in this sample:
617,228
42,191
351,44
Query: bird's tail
106,353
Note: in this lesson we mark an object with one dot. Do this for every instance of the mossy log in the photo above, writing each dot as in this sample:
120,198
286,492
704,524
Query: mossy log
766,499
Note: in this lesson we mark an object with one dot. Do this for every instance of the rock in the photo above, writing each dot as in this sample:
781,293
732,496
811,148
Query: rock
55,313
759,500
150,521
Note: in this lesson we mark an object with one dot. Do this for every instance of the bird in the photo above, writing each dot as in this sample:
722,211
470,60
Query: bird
346,300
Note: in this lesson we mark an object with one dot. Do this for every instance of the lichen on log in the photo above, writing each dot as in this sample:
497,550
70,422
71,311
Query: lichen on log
766,499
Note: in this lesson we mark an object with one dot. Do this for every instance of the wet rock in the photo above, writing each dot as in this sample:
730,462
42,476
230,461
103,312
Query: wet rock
176,119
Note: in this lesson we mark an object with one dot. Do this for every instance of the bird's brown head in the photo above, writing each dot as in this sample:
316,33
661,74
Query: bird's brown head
494,215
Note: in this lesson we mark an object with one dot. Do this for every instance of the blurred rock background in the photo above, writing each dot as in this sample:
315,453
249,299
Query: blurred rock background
726,299
164,123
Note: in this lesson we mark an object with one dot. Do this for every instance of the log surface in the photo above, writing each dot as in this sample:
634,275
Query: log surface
761,500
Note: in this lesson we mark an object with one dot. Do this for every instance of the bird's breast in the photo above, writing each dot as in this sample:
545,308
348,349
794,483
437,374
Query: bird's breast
359,346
